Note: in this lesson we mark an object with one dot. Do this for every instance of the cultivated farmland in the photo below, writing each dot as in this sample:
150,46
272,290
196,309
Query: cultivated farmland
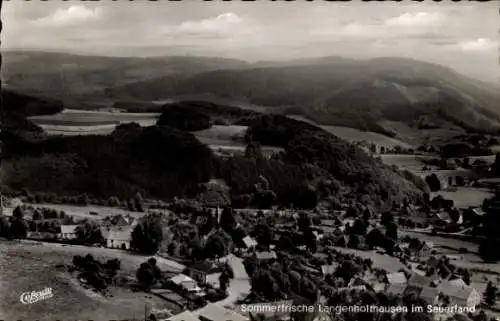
88,122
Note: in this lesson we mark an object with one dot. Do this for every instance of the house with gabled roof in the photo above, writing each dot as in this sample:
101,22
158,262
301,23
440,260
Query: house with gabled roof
249,242
68,232
119,238
329,269
458,294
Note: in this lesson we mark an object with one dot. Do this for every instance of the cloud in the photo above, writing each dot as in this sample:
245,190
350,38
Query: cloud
222,23
415,19
481,44
72,15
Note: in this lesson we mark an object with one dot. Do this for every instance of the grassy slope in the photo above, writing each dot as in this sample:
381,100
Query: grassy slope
70,299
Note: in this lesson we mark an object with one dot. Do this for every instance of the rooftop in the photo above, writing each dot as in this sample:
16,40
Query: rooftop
396,278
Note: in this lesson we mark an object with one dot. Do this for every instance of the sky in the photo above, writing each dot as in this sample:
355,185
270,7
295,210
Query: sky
463,35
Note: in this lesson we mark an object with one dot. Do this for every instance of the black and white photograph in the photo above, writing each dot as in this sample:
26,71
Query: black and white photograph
258,160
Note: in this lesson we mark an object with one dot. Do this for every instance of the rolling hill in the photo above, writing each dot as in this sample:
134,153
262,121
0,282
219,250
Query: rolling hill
75,77
410,100
343,92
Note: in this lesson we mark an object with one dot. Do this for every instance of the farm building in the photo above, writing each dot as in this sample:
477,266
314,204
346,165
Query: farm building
68,232
119,238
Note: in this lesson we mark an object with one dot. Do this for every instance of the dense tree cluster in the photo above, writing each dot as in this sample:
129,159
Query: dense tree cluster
72,165
94,273
319,153
89,232
14,227
149,274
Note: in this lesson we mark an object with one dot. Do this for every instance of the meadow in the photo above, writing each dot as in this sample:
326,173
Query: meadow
355,135
84,211
31,266
228,139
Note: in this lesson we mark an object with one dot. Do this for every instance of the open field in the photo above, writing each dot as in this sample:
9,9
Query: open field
415,136
353,135
409,162
30,267
228,139
386,262
223,132
462,196
84,211
88,122
466,196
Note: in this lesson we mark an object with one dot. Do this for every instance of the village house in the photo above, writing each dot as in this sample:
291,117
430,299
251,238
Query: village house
249,242
119,238
266,255
200,270
184,282
329,269
396,278
419,252
459,294
68,232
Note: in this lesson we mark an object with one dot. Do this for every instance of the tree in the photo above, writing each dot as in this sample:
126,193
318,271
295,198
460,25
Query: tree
89,233
391,231
359,227
18,229
304,221
375,238
148,273
227,220
217,245
83,200
138,202
490,295
433,182
147,235
263,234
224,281
18,213
488,250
